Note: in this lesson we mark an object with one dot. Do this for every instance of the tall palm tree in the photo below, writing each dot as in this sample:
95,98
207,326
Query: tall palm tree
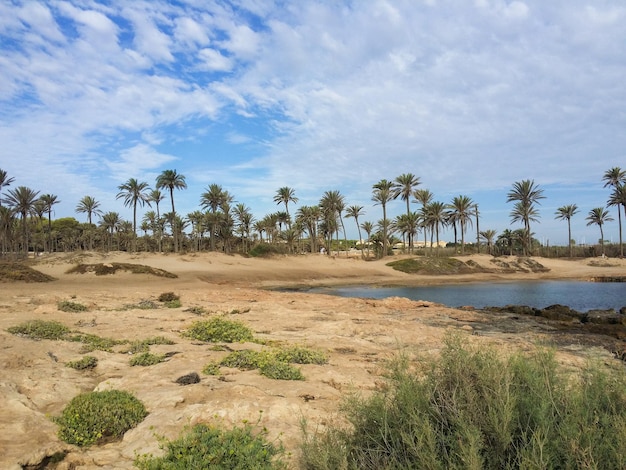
110,222
526,194
599,216
435,218
134,192
618,197
157,196
245,219
356,212
4,181
49,200
285,195
88,205
332,205
616,178
6,226
488,236
309,217
214,198
566,213
382,194
22,200
404,186
424,197
461,210
171,180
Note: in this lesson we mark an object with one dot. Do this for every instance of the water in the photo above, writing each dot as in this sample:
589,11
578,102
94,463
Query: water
580,296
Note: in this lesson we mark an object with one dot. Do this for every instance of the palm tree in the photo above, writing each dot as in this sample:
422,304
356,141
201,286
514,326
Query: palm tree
49,200
424,197
356,212
618,197
215,198
285,195
90,206
599,216
488,236
244,218
22,200
566,213
404,186
134,192
526,194
461,210
6,226
4,181
111,222
368,227
171,180
157,196
309,217
435,219
332,205
616,178
382,194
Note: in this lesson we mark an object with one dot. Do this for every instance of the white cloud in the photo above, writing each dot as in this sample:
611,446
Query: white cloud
190,33
213,60
137,160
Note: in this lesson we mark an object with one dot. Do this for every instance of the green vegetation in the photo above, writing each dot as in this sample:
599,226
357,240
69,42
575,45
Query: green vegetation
94,342
471,408
300,355
275,369
97,417
209,447
146,359
433,266
212,368
265,250
102,269
68,306
87,362
243,360
40,329
219,330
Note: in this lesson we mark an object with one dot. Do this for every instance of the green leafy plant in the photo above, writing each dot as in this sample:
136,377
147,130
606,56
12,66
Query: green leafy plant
209,447
300,355
40,329
97,417
173,303
87,362
245,359
219,330
94,342
212,368
275,369
472,408
146,359
69,306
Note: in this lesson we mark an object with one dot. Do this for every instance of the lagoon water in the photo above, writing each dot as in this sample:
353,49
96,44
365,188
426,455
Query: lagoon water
581,296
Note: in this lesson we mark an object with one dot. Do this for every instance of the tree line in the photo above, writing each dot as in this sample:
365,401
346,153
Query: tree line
223,224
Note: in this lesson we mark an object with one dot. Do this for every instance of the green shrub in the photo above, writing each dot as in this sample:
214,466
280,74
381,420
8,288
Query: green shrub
40,329
219,330
472,408
146,359
87,362
173,303
300,355
265,250
208,447
68,306
243,360
94,342
211,368
97,417
168,297
275,369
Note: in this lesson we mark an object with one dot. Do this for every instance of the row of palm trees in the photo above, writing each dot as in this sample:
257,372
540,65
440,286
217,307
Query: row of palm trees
229,225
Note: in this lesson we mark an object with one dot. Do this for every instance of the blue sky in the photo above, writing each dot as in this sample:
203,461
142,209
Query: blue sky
253,95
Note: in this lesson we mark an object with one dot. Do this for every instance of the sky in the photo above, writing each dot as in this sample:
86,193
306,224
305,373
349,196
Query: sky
468,95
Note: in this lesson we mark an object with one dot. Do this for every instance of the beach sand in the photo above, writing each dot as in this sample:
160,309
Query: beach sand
358,335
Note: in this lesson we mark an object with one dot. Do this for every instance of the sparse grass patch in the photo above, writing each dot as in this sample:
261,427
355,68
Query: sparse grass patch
146,359
219,330
96,417
95,342
15,271
173,303
209,447
433,265
69,306
102,269
40,329
196,310
87,362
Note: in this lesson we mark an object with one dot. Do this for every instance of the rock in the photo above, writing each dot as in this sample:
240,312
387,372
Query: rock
189,379
604,317
562,312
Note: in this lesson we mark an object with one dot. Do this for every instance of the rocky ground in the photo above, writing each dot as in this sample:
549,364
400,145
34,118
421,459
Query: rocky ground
358,335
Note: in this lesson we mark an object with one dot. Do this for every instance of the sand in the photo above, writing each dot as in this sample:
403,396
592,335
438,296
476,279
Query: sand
358,335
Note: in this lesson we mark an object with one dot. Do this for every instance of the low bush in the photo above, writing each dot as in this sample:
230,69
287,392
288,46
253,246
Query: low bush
98,417
300,355
146,359
212,368
173,304
94,342
40,329
69,306
265,250
168,297
87,362
219,330
275,369
209,447
471,408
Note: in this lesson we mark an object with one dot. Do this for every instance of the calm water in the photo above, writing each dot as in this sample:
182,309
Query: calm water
581,296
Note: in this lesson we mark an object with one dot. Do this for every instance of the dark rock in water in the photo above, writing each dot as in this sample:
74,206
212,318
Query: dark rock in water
622,310
562,312
605,317
517,309
188,379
